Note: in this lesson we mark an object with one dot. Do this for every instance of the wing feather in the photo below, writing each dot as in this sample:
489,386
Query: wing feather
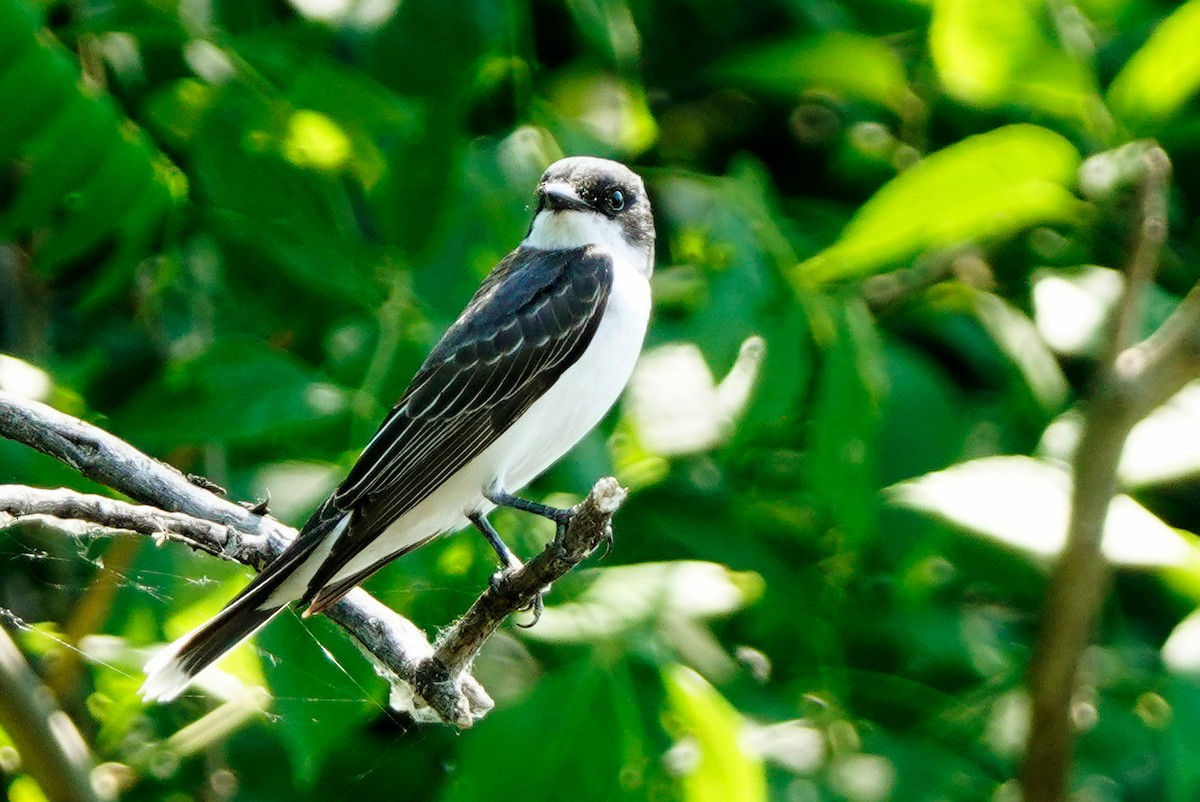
528,322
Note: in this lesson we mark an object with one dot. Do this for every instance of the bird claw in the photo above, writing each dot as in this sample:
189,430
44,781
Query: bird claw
498,583
562,521
607,541
537,607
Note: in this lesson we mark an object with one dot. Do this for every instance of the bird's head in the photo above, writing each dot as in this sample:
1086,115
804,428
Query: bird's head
588,201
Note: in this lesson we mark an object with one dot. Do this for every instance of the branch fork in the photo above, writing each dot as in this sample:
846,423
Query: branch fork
1132,378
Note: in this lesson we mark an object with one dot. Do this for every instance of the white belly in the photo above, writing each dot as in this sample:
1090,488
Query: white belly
549,429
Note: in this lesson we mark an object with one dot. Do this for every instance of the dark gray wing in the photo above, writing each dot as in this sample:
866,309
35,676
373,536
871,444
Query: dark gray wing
530,320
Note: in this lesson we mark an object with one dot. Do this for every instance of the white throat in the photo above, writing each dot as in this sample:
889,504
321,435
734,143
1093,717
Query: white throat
564,230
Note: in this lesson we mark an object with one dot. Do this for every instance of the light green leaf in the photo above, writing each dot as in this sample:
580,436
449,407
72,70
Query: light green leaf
1072,306
612,111
992,54
820,63
1181,652
676,406
1161,76
296,488
630,596
25,789
710,752
24,379
1018,337
1025,503
609,27
985,187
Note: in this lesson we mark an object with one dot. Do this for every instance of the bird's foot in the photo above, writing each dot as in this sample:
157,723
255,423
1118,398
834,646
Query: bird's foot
560,516
500,585
500,582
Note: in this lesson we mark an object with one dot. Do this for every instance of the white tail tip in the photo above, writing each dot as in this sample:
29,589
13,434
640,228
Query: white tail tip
165,678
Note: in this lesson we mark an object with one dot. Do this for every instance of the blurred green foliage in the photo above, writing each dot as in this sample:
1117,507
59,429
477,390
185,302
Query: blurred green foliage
231,229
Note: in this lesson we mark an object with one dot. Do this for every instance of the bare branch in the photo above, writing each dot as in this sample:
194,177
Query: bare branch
114,463
237,533
1130,382
1152,171
1161,365
51,749
209,523
19,501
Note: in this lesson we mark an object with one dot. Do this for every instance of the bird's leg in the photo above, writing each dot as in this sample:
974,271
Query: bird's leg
560,516
508,564
507,560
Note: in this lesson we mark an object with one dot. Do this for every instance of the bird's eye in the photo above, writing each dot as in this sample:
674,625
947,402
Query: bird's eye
616,200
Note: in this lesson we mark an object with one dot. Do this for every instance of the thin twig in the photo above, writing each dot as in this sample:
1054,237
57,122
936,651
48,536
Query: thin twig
1079,583
51,749
19,501
1167,360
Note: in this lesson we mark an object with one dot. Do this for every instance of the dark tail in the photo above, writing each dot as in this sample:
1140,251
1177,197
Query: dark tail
282,581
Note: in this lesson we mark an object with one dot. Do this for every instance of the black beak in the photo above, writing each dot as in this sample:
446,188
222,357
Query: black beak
559,197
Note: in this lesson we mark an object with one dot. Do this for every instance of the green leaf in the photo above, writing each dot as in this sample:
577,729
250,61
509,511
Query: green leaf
992,54
714,763
609,27
1025,503
820,63
578,734
324,688
844,421
1180,738
1162,76
919,388
299,217
88,175
985,187
428,52
102,204
367,112
237,391
27,111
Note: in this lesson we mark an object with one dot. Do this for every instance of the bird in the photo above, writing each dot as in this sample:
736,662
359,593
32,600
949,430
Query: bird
539,355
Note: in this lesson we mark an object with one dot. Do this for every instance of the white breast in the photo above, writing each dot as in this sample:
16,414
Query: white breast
585,392
564,414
